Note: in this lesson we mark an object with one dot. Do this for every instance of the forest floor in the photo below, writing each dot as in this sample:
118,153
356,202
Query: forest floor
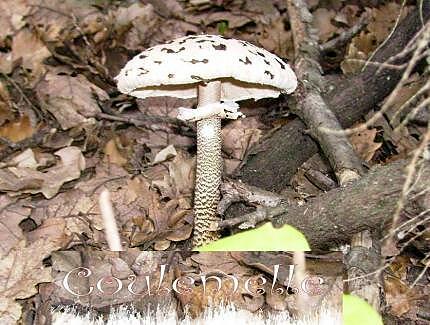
67,133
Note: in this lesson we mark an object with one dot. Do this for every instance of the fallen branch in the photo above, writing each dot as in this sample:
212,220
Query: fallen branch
275,160
333,217
311,106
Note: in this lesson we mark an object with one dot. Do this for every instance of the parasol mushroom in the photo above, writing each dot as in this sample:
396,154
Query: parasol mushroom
218,71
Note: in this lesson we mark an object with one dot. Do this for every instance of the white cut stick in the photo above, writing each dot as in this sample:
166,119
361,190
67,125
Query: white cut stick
111,229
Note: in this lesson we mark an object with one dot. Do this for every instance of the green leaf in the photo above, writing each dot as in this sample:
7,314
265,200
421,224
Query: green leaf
264,238
357,311
222,27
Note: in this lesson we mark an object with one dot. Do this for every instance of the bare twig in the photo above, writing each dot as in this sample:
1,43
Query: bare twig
347,35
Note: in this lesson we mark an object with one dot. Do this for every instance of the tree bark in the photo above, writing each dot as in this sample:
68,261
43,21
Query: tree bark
273,162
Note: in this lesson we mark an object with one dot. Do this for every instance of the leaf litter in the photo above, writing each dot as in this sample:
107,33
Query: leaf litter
57,63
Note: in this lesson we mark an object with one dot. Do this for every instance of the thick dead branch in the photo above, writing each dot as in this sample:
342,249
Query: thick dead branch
275,160
333,217
311,107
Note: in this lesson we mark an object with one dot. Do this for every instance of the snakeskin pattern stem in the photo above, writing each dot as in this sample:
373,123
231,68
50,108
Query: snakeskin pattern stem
209,169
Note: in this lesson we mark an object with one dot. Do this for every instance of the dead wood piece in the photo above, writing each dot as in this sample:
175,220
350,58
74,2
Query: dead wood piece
362,262
311,107
235,191
275,160
333,217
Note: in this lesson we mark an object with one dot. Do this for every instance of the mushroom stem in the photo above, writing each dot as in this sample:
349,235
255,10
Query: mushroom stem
209,168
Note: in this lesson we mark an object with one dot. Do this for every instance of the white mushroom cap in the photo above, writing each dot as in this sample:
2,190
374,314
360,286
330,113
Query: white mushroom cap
172,69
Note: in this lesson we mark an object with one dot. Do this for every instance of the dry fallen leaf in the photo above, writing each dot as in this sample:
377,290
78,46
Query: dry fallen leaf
364,145
137,22
5,104
276,39
182,173
357,52
60,21
165,154
233,20
52,229
239,135
20,271
17,130
31,59
11,216
113,154
399,296
12,18
348,15
384,18
25,159
26,180
73,100
322,23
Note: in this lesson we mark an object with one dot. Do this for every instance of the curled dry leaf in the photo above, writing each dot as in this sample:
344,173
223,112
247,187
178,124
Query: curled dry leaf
163,106
197,299
161,245
52,229
233,20
384,18
25,159
134,15
182,173
348,15
358,50
171,29
219,261
265,9
380,25
72,100
398,295
239,135
274,38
